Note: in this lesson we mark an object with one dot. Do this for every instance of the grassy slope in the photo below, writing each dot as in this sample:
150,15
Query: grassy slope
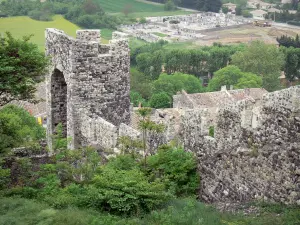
21,211
23,25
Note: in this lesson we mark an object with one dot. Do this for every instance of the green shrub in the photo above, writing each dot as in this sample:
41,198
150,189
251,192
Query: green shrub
177,169
17,127
125,192
160,100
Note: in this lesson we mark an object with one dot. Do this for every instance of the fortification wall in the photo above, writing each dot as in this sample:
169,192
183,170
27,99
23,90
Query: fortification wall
244,162
86,78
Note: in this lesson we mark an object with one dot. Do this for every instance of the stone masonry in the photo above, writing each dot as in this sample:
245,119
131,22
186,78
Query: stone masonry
256,159
88,82
255,150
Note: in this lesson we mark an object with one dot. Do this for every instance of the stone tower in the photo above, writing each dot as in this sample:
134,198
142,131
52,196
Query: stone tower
87,81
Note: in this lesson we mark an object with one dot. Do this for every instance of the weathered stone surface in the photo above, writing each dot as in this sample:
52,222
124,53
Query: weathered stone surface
257,159
86,80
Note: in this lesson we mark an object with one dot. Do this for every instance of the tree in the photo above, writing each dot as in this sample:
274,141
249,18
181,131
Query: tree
171,84
261,59
140,83
209,5
18,127
22,66
232,75
160,100
127,9
148,127
90,7
169,6
225,10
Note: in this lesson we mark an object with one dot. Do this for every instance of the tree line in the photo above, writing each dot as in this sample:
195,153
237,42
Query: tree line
202,5
159,72
85,13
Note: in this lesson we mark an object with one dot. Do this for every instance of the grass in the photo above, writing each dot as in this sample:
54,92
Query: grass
160,34
23,25
136,6
19,211
181,45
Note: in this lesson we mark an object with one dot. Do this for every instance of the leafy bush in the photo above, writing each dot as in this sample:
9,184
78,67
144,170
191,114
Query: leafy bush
17,127
125,192
176,168
136,99
160,100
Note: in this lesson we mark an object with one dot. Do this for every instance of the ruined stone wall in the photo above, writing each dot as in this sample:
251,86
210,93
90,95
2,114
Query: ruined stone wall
97,80
244,162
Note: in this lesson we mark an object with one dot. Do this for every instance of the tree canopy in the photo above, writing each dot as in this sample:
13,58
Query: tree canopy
261,59
232,75
171,84
22,66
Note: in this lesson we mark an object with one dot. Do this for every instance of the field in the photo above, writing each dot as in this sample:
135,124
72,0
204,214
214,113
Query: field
118,6
137,8
23,25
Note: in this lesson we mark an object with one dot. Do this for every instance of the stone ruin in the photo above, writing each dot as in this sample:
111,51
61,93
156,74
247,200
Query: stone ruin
255,150
87,85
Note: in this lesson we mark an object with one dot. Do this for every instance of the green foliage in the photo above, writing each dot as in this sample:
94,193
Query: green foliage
130,146
141,84
211,131
246,14
185,211
59,142
143,20
136,99
4,177
209,5
17,128
225,10
176,168
261,59
292,63
150,64
171,84
232,75
126,191
21,67
170,6
21,211
160,100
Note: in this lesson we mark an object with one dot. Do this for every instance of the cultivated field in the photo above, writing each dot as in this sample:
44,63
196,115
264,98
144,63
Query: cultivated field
118,6
23,25
137,8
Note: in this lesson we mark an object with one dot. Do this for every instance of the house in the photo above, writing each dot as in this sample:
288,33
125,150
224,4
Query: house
259,14
230,6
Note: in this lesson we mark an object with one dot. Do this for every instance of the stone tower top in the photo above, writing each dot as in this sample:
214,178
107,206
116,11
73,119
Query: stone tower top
88,35
86,79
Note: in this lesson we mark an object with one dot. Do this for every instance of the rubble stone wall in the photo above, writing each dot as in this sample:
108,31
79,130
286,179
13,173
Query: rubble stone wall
97,78
245,163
